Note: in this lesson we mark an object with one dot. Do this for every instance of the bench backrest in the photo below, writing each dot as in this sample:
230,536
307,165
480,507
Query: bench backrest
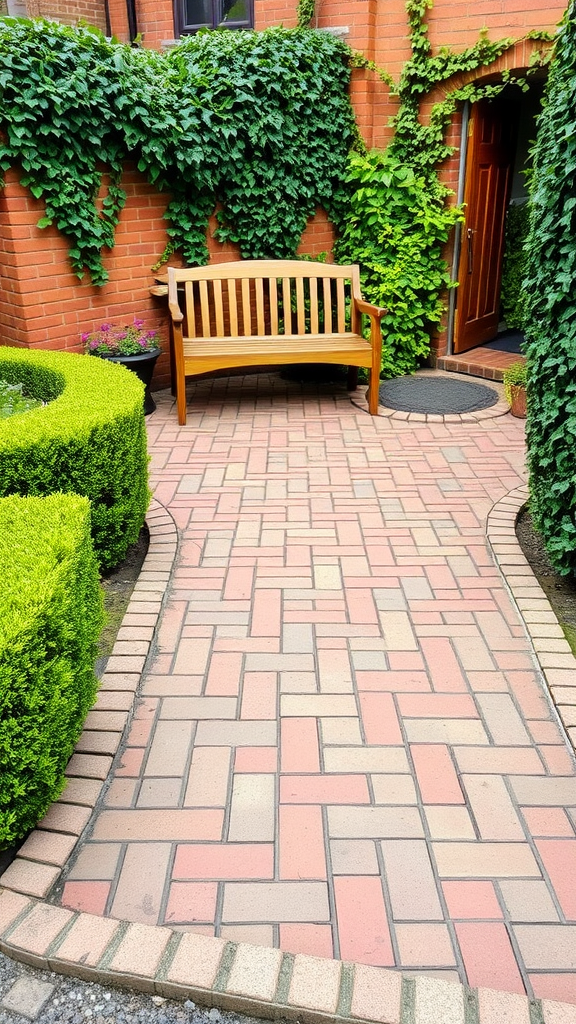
261,298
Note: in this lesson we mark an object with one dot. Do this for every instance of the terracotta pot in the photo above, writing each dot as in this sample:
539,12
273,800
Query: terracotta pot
518,400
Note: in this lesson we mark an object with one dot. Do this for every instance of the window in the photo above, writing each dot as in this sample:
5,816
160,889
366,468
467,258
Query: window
194,14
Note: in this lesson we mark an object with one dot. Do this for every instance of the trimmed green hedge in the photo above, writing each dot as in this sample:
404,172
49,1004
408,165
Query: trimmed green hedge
90,439
551,310
50,618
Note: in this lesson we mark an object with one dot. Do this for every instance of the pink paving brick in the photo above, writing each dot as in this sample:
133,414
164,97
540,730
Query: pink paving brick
559,859
324,789
443,666
488,956
560,987
266,613
379,718
259,695
299,745
436,774
221,861
548,821
471,900
393,682
189,902
312,939
301,842
224,674
130,762
256,759
90,897
436,705
363,930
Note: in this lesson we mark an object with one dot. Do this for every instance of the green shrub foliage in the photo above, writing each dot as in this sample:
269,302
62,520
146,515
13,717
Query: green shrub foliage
257,122
50,618
512,294
89,439
551,310
396,229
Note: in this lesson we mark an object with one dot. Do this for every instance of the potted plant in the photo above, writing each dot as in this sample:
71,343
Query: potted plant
515,378
132,346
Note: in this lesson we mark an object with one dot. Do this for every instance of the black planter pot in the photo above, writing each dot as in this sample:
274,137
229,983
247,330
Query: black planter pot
143,366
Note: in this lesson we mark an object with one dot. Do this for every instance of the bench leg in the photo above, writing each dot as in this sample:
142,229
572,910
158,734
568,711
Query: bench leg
352,382
373,392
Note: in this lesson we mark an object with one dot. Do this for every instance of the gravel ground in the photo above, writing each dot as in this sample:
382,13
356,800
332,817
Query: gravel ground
76,1002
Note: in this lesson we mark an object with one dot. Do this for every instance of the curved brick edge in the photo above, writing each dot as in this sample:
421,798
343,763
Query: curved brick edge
249,979
41,858
553,651
501,408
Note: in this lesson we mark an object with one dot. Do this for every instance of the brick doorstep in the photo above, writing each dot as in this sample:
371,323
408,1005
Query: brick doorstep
232,975
245,978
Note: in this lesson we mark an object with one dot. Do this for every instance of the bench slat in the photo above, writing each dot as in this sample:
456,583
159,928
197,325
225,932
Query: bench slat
341,305
219,308
246,311
190,310
286,302
313,305
300,306
233,305
260,323
273,292
205,308
327,289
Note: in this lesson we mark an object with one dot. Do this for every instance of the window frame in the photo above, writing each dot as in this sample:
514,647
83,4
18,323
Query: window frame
182,29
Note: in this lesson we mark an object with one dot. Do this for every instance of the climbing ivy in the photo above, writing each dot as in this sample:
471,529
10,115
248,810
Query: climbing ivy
259,123
551,309
305,12
400,214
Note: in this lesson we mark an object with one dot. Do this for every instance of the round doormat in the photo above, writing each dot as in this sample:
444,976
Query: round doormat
436,395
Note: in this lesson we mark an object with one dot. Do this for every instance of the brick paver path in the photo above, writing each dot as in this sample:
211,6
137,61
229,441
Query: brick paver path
343,746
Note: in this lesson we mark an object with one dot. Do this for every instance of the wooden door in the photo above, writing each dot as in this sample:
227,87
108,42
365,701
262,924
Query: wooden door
491,147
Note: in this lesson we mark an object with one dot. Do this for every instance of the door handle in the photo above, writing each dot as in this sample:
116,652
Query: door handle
469,233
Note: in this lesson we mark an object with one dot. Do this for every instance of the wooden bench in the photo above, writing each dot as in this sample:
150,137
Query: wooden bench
271,312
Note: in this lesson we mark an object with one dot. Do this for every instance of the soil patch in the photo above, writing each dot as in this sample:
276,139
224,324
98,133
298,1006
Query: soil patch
118,586
560,590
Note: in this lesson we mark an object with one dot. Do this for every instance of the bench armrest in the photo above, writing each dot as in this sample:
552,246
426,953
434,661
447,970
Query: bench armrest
175,312
369,309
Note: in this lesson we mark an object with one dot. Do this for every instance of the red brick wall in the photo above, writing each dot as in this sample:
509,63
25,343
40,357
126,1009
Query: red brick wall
42,303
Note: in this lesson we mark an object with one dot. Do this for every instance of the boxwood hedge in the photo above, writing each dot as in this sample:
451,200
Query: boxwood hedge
89,439
50,617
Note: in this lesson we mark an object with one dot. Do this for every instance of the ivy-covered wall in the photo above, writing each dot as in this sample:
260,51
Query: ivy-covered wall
41,302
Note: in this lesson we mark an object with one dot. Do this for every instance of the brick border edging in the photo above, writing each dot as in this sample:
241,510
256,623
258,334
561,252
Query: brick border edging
552,650
256,980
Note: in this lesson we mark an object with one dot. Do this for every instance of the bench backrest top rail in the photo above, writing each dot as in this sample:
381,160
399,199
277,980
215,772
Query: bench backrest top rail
252,269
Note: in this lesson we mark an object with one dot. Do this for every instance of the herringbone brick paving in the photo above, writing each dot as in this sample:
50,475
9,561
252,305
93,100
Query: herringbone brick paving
343,746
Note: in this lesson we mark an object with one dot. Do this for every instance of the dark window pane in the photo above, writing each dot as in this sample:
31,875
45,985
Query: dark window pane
198,12
235,12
